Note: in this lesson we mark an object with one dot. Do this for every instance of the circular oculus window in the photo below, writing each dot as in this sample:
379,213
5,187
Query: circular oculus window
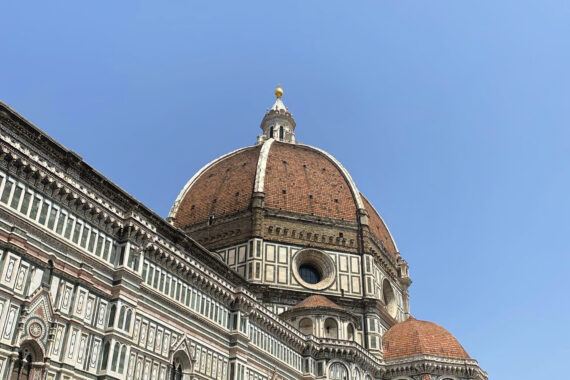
313,269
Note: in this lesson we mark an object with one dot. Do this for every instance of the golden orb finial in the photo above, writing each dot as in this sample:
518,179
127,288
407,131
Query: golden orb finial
278,91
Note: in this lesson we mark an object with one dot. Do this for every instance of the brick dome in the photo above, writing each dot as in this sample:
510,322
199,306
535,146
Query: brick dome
413,337
294,178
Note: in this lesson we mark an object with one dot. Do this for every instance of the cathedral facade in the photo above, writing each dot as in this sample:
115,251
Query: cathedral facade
271,265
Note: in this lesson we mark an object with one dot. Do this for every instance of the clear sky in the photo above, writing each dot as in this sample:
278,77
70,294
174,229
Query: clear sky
452,117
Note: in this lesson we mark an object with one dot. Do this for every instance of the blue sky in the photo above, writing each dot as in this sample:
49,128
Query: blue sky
452,117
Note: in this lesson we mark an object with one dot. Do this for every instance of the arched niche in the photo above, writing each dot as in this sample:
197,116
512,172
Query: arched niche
349,332
331,328
306,326
389,298
181,366
337,371
30,362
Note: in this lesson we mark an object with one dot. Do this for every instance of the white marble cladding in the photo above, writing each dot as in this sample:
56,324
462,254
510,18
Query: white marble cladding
274,347
271,263
183,293
92,335
59,220
375,285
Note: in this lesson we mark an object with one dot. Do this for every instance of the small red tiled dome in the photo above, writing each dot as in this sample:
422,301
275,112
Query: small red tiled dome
317,301
413,337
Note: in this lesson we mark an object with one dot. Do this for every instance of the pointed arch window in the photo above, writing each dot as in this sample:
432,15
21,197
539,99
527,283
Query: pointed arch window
105,355
122,359
121,317
112,316
271,132
281,133
128,320
115,357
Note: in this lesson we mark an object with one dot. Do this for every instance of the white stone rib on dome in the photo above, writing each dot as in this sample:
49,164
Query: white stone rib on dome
189,184
261,165
385,225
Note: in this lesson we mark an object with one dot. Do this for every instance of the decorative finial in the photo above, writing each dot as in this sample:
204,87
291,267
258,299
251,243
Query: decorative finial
278,91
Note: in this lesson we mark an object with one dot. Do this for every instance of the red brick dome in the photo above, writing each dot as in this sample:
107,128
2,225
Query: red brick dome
293,177
413,337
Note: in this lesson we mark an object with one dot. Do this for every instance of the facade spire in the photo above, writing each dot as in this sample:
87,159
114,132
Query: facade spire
278,122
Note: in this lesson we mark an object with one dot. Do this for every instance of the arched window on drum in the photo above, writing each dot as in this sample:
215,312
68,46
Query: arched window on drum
338,371
306,326
350,332
331,329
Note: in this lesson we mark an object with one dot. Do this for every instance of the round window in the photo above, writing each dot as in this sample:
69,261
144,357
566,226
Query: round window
313,269
309,274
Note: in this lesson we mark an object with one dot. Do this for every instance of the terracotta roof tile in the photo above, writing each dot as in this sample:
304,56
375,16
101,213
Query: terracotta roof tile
413,337
301,179
378,227
317,301
223,189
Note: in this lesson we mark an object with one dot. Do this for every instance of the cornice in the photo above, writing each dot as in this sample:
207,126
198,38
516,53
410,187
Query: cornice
430,364
320,310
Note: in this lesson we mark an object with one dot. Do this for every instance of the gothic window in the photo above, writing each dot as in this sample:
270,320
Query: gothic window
281,134
112,316
271,132
105,357
128,320
115,357
22,368
176,372
30,353
121,317
122,359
